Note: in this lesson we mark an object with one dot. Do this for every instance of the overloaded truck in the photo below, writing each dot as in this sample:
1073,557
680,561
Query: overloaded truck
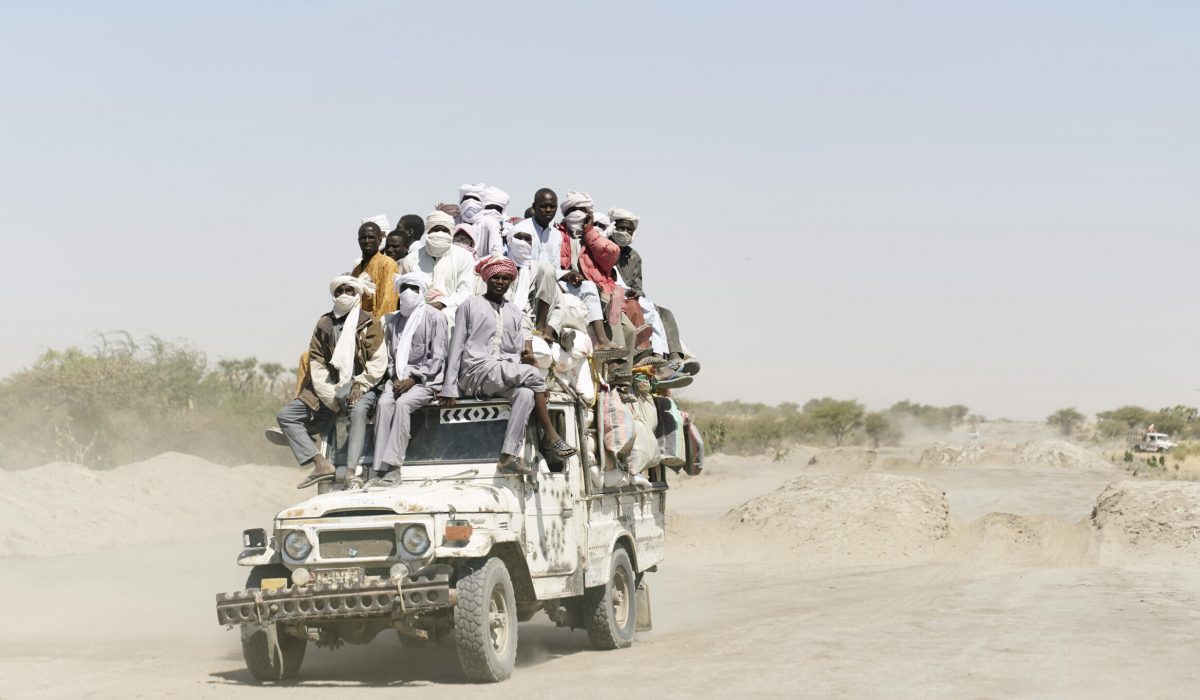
456,554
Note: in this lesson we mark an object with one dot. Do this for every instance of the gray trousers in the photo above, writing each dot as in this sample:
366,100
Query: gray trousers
672,329
393,423
516,384
358,431
296,419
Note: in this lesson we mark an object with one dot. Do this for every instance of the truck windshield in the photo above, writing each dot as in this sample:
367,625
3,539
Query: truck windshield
463,434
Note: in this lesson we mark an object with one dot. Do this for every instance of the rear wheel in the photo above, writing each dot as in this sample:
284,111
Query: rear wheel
485,622
610,611
271,653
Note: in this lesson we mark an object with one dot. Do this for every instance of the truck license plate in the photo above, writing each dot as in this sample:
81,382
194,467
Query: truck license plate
343,577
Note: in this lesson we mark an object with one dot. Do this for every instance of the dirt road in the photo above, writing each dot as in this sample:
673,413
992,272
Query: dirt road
988,614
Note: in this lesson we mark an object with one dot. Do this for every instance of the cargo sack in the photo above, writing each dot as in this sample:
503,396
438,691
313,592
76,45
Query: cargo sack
618,423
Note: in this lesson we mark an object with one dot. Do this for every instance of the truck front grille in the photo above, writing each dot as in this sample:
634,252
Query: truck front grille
357,544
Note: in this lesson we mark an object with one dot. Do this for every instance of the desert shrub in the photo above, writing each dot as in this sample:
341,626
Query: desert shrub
126,400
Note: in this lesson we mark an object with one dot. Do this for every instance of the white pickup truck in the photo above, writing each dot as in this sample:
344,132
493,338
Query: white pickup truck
455,552
1154,442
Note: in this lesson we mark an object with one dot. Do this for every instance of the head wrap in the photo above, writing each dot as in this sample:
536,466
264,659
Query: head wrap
619,214
470,231
379,220
576,200
451,209
601,221
438,243
418,279
360,287
495,196
475,190
494,265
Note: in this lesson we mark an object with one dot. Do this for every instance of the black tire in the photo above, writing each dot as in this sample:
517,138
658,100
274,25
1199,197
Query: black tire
485,622
610,611
270,653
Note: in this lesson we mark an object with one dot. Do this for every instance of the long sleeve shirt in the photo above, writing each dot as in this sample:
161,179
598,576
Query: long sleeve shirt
426,354
484,334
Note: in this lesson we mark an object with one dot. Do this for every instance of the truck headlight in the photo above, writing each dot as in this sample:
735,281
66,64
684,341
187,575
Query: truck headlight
415,540
296,545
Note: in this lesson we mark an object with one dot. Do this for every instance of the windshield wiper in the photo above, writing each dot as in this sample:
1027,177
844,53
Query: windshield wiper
469,472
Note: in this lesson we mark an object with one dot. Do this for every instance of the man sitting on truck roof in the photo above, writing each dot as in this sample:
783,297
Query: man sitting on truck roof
347,358
449,268
535,290
665,340
489,357
375,265
396,247
416,340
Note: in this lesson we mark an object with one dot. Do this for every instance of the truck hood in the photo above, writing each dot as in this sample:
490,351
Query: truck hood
425,497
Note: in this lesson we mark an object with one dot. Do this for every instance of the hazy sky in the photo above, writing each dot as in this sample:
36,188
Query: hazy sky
982,203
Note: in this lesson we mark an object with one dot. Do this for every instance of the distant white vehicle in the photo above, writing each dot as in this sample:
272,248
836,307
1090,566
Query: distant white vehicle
1154,442
974,434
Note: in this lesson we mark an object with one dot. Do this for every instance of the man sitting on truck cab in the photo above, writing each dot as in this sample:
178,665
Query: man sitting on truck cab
416,341
347,358
490,357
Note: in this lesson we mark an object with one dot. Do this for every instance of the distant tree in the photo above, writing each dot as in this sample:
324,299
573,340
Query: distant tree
880,430
834,418
1065,420
1119,422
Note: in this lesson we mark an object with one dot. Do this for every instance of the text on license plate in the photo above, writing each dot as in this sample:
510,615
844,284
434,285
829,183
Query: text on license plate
343,577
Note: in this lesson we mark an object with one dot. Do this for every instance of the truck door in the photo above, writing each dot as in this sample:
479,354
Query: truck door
553,526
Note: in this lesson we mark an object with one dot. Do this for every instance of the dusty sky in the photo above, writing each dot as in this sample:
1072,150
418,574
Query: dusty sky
989,204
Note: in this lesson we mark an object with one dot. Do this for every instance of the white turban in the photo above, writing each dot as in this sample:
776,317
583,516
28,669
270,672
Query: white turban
359,285
475,190
602,221
379,220
495,195
439,218
576,200
417,279
619,214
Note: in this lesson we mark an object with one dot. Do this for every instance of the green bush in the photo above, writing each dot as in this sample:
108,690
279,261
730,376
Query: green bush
124,401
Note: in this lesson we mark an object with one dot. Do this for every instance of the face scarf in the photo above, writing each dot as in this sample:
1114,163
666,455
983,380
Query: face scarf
469,210
521,254
574,221
622,238
438,243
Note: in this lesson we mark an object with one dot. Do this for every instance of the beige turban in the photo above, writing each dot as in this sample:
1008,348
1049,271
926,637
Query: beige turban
619,214
576,200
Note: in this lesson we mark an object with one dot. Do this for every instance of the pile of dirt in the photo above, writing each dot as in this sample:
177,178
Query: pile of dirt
1019,540
1149,521
854,519
845,458
63,508
1061,455
942,455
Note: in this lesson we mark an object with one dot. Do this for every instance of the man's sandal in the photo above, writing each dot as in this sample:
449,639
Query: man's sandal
559,449
315,479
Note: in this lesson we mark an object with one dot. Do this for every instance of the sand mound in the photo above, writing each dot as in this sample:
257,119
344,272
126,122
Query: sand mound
1007,539
1149,521
1052,454
1060,454
846,519
62,508
846,458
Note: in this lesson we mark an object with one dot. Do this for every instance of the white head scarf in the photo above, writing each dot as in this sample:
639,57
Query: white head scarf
469,210
438,243
620,237
601,221
379,220
343,351
576,200
412,319
493,196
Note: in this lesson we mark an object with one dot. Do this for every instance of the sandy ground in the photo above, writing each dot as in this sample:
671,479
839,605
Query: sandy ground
840,589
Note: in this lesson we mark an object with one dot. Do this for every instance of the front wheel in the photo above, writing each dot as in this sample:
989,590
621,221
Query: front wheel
610,611
271,653
485,622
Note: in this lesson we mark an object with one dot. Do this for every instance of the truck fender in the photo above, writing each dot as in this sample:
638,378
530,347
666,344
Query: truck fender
597,569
